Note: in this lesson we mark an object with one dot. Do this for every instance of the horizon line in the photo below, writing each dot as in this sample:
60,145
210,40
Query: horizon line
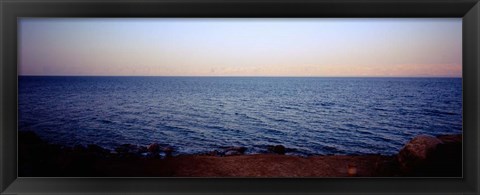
244,76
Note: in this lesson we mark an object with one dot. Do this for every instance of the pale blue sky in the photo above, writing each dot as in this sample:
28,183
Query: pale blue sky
241,47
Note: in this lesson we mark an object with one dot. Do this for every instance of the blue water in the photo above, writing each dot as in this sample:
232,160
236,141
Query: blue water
200,114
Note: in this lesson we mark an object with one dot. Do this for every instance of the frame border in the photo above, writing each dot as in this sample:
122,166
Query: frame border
469,10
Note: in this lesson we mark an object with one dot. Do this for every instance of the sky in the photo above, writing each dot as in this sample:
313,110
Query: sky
330,47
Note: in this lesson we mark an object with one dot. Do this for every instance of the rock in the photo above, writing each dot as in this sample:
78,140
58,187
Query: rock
154,148
123,149
240,150
142,149
416,154
278,149
95,149
232,151
130,150
168,150
150,155
214,153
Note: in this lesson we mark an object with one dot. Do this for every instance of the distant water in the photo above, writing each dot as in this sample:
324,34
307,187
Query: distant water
200,114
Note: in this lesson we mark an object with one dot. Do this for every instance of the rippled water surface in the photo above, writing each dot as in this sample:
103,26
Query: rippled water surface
200,114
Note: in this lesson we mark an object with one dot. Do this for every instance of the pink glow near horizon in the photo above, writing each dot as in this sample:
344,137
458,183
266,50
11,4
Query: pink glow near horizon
241,47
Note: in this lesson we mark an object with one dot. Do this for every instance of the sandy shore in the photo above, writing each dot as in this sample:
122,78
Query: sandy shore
257,165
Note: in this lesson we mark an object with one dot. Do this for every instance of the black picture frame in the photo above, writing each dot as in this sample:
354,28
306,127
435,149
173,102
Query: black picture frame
469,10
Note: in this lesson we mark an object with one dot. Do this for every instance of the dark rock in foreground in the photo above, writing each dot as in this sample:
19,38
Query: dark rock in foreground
168,150
426,155
130,151
232,151
278,149
154,148
417,152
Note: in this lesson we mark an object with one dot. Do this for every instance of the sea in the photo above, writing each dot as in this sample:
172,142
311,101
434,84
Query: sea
194,115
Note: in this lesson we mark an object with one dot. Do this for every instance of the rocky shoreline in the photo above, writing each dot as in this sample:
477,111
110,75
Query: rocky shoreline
424,156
